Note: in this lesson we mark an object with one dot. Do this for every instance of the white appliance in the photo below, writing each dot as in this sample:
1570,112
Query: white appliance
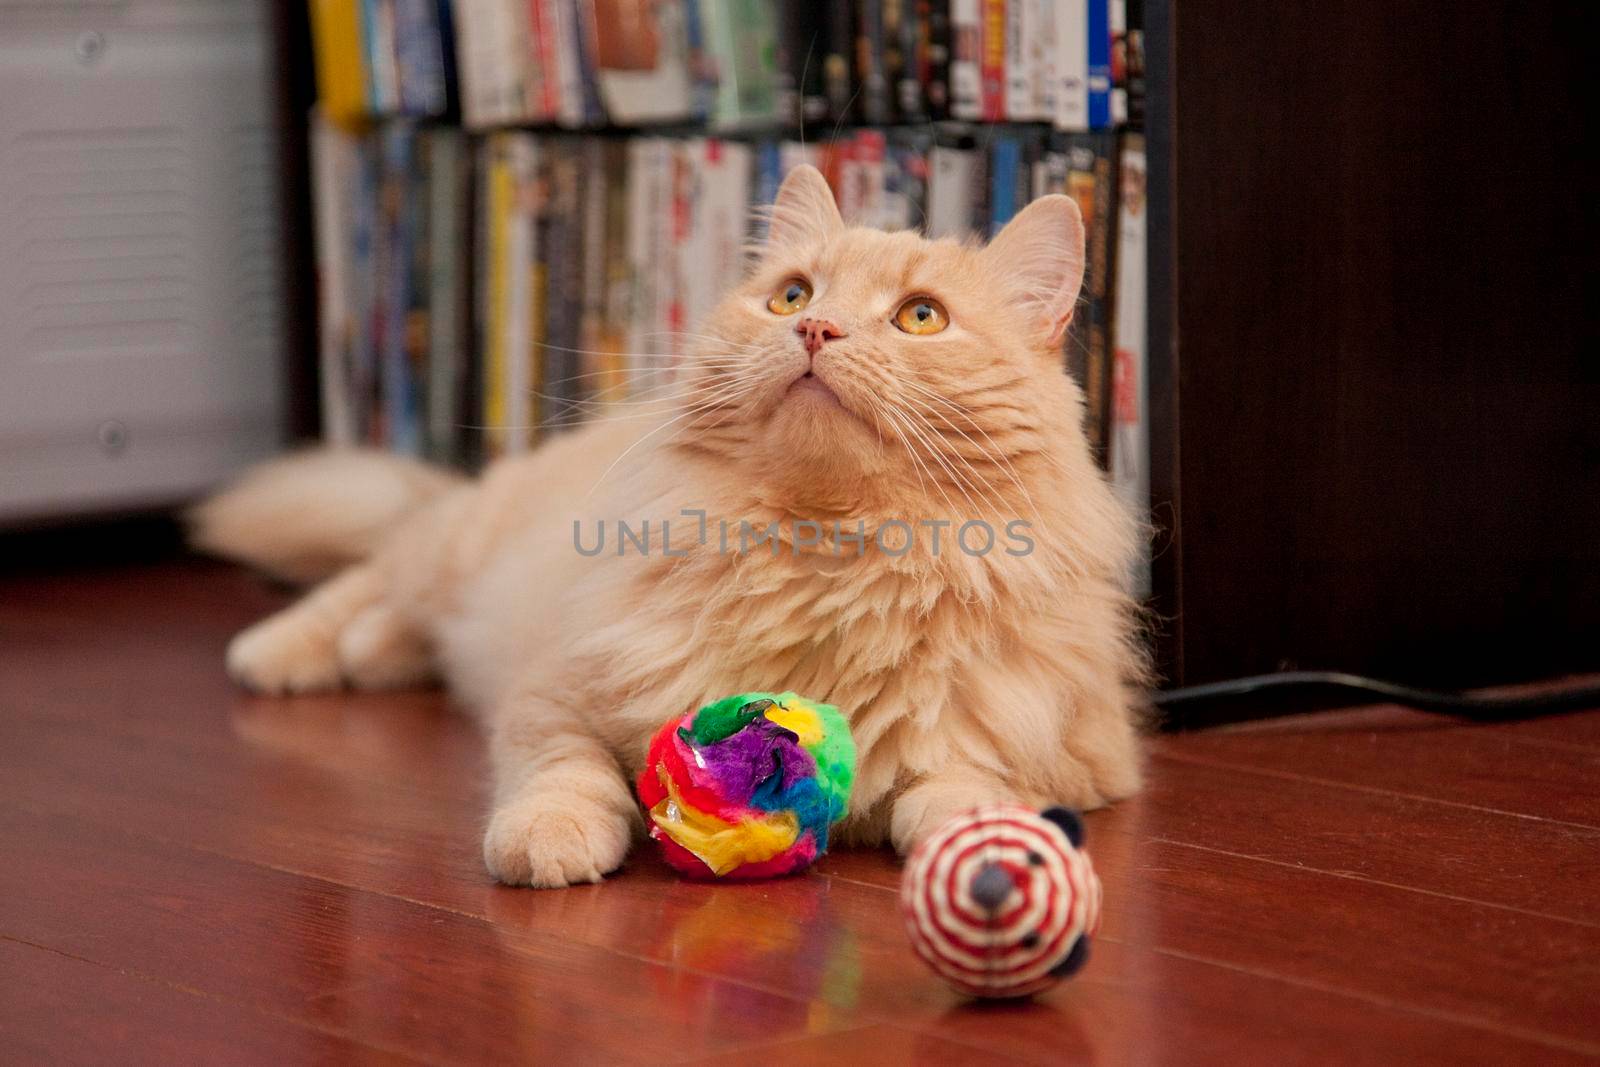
140,271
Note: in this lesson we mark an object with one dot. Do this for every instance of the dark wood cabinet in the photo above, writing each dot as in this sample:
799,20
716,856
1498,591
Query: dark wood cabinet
1375,385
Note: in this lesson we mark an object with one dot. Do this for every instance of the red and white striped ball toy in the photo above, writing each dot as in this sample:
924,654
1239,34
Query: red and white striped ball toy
1002,901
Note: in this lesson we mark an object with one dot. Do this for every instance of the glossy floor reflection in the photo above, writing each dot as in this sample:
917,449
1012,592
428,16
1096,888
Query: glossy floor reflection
194,875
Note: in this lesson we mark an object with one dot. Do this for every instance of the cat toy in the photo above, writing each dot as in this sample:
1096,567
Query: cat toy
1002,901
748,787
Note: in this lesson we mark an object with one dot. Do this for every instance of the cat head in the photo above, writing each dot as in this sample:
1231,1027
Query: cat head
852,360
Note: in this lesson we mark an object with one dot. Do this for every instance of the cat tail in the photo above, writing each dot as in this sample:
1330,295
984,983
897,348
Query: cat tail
308,515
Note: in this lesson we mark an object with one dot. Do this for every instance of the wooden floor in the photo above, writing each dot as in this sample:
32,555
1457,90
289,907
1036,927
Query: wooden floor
192,875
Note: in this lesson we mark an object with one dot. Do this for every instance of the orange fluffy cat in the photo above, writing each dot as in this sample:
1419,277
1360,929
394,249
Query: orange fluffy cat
855,392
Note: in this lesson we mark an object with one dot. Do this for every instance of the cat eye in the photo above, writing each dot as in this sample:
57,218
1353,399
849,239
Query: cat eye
792,296
921,315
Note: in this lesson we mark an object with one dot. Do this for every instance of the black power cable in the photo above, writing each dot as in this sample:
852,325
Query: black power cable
1462,705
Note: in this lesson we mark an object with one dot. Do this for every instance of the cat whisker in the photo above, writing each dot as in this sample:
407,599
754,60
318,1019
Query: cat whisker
591,417
996,456
904,426
703,337
843,112
638,358
627,451
989,387
615,411
916,465
624,389
666,397
606,353
711,407
921,427
978,482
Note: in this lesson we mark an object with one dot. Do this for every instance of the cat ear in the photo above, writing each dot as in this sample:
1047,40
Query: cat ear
1039,255
804,209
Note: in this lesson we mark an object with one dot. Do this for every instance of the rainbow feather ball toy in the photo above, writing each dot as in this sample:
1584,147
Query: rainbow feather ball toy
748,787
1002,901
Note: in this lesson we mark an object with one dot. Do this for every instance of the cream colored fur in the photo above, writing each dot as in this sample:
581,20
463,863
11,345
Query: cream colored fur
966,678
313,514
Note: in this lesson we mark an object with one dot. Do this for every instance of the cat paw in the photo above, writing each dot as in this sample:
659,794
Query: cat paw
929,805
549,844
284,654
379,650
1106,765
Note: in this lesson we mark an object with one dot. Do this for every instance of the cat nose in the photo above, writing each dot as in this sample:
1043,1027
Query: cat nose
816,331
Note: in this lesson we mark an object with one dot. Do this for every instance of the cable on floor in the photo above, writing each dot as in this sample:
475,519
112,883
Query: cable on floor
1461,705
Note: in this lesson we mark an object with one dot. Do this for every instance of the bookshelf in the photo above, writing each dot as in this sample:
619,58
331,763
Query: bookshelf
518,200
